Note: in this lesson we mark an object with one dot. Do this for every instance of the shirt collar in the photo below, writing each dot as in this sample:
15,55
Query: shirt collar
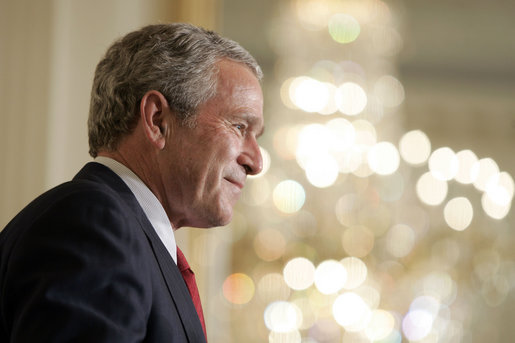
148,202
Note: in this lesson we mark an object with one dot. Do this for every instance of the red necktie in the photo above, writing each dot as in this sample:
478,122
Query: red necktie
189,278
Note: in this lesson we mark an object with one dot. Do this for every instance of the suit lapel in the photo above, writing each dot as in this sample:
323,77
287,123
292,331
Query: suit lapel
180,294
171,274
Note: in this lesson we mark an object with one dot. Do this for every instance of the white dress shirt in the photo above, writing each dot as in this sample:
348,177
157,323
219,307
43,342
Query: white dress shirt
148,202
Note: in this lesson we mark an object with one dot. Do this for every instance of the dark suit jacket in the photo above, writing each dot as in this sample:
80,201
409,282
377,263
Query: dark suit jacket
82,263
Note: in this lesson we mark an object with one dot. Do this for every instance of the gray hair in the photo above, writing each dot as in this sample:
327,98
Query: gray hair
178,60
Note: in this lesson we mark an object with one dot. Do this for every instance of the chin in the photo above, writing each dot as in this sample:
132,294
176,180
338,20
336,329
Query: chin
224,219
218,211
223,212
220,218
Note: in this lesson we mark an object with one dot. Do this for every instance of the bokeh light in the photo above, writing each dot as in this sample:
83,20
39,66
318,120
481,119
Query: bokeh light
342,135
427,303
269,244
350,98
356,272
443,164
374,112
370,295
330,106
285,93
485,168
343,28
439,288
285,141
500,188
386,41
350,311
380,326
394,337
378,11
289,196
322,170
487,263
282,316
363,170
351,160
313,14
313,140
309,317
325,330
389,91
238,288
355,337
309,94
366,135
415,147
320,302
345,211
357,240
285,337
376,217
324,71
299,273
383,158
330,276
339,146
466,174
257,191
417,324
392,187
400,240
430,190
423,314
494,209
458,213
272,287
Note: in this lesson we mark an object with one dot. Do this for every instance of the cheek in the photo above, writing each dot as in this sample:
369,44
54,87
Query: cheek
215,154
226,148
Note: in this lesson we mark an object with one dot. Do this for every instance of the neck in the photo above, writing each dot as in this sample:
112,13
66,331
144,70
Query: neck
139,163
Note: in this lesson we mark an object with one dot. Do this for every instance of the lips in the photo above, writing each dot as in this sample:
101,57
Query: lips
238,184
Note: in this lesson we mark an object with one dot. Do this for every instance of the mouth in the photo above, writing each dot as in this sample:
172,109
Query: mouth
236,183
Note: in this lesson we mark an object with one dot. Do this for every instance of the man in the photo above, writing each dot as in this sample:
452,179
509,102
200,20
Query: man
174,117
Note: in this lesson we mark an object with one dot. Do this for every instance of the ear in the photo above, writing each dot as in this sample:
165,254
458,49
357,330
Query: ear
153,107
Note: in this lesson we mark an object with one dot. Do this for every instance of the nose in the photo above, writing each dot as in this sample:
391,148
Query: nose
251,158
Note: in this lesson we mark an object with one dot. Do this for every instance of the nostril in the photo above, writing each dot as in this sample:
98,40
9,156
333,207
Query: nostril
247,168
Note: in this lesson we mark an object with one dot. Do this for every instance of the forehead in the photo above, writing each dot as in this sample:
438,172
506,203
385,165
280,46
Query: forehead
234,77
238,92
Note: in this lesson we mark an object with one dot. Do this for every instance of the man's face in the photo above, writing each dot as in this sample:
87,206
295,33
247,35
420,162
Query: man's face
208,164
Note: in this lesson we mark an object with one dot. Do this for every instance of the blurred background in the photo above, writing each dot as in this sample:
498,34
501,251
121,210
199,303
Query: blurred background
384,211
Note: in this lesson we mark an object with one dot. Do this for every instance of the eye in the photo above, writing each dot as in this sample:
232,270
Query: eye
240,127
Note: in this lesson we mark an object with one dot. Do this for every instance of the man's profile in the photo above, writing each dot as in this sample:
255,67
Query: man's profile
174,119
